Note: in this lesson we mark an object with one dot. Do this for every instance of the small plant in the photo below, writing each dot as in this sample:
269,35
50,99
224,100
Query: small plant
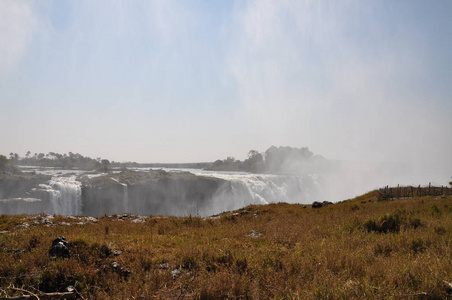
226,259
387,223
440,230
193,221
188,262
417,246
435,210
161,230
241,265
354,207
415,223
33,242
383,250
371,225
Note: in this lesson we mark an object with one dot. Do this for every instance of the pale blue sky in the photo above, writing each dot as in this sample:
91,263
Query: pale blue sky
186,81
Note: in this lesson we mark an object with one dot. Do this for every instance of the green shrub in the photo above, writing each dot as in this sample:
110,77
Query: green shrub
417,246
388,223
415,223
188,262
435,210
241,265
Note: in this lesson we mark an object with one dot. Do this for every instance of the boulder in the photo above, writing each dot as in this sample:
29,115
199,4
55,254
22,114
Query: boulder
316,204
59,248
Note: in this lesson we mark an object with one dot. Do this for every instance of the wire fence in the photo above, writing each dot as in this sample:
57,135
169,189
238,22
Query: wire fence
390,193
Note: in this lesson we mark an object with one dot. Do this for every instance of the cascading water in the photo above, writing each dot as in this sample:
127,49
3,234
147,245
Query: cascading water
125,199
265,188
65,195
246,189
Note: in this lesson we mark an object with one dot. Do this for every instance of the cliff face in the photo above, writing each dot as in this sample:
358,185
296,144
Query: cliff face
145,193
20,185
19,196
154,192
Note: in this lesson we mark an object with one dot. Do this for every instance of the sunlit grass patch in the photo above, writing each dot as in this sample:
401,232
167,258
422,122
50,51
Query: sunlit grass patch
349,250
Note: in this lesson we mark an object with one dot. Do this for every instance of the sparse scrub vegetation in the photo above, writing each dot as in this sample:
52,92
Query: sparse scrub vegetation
356,249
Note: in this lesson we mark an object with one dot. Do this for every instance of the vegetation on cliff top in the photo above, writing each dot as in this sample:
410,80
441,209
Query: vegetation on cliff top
273,160
78,161
356,249
6,166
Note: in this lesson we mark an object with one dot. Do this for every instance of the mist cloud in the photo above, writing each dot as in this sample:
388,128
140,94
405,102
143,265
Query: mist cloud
343,80
175,81
17,25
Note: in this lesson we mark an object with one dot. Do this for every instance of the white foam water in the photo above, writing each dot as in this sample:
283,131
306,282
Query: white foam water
246,189
125,199
65,195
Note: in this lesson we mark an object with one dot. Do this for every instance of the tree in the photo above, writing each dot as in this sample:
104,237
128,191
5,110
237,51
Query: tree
255,162
6,165
230,159
104,165
14,157
252,153
3,163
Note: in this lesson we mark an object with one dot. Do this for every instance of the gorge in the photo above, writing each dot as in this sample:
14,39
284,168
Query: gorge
156,192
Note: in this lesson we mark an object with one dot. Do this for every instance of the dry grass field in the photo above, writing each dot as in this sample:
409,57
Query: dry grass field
355,249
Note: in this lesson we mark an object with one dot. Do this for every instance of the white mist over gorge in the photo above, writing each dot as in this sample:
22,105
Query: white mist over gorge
366,86
280,174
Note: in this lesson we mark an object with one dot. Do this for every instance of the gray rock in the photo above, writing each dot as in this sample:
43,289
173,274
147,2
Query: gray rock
163,266
116,267
316,204
59,248
254,234
176,272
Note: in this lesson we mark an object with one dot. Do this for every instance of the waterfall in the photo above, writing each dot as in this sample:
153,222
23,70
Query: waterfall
246,189
266,188
125,197
65,195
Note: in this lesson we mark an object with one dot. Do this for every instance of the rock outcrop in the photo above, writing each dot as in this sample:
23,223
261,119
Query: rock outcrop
59,248
155,192
17,194
20,185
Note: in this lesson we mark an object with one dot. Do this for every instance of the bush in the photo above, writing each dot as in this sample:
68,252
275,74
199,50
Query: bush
241,264
387,223
417,246
189,262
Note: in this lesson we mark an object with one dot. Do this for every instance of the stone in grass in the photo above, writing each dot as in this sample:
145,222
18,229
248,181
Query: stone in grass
116,267
448,286
59,248
316,204
254,234
176,272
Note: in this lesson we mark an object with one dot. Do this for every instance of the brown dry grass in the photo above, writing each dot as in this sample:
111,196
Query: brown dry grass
340,251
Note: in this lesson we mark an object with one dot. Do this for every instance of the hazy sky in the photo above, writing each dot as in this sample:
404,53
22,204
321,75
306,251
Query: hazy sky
187,81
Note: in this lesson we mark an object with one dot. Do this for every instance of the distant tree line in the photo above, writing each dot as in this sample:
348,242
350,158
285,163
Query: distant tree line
77,161
273,160
56,160
199,165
